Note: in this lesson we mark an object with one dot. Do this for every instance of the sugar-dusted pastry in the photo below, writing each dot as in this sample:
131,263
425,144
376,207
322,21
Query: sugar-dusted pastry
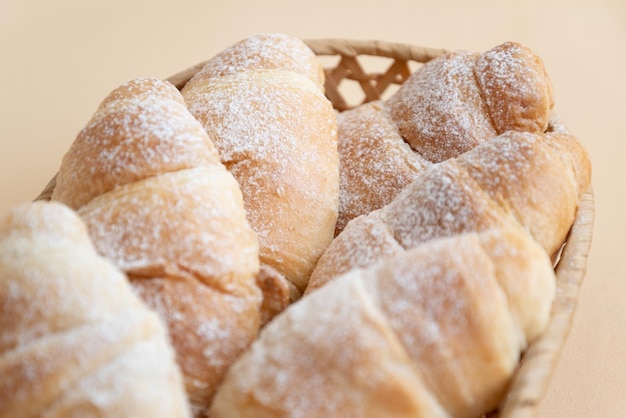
458,100
262,103
75,341
148,183
434,331
532,181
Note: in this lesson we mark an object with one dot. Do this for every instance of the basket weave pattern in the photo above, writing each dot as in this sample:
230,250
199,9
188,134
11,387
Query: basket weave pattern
538,363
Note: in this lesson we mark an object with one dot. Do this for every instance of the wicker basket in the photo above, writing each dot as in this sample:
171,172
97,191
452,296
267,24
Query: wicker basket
538,363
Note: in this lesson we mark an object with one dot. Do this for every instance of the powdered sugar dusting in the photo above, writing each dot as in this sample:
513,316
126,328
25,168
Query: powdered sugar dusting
365,241
515,87
209,328
133,384
514,179
300,360
534,180
189,221
432,297
375,162
347,333
159,203
456,101
439,109
51,229
266,51
432,294
67,317
442,202
504,163
276,133
130,138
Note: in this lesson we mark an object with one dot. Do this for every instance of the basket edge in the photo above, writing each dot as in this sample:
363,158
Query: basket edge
537,367
353,47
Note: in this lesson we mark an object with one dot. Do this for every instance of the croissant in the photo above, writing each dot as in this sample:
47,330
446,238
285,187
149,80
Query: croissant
148,183
75,339
533,181
444,109
262,103
454,102
433,331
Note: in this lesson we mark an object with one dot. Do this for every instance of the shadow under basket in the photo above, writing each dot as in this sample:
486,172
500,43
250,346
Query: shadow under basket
364,71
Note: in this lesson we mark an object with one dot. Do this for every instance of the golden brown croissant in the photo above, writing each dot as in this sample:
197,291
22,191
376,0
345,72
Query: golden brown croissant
434,331
532,180
149,185
454,102
75,340
262,103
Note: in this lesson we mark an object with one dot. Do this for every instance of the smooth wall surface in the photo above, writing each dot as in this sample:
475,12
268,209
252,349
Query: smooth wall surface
59,58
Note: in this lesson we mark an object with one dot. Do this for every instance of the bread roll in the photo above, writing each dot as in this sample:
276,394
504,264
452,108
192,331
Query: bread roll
75,339
434,331
461,99
156,200
533,181
262,104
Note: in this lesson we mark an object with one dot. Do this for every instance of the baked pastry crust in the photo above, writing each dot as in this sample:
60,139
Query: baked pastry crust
261,102
411,336
462,99
375,162
148,183
76,341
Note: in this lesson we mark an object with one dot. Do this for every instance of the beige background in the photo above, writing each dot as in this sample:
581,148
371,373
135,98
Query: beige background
59,58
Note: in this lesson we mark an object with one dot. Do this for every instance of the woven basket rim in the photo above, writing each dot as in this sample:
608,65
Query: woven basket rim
539,362
537,366
355,47
343,47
